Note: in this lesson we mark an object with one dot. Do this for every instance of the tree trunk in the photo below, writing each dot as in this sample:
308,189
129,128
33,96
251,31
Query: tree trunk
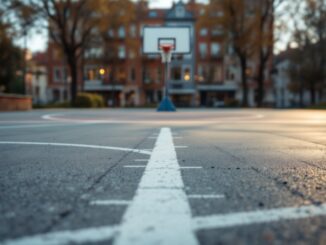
243,62
260,81
72,62
312,93
301,91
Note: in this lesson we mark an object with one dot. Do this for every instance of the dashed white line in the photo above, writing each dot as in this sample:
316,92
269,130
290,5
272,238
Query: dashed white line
159,212
88,235
109,202
209,196
75,145
191,167
255,217
181,146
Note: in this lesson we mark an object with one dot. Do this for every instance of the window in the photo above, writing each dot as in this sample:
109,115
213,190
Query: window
122,52
93,52
59,74
132,54
132,74
152,14
55,95
180,12
187,74
111,33
203,50
121,32
159,74
215,49
217,31
133,31
145,75
121,74
203,32
93,73
176,73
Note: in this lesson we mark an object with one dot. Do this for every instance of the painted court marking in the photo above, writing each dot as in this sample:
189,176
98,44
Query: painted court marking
159,212
109,202
76,145
191,167
180,147
255,217
89,235
210,196
141,160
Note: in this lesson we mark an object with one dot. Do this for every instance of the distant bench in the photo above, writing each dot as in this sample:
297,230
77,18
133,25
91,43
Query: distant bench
15,102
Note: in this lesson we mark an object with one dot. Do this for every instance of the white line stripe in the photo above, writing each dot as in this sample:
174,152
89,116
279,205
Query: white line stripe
159,212
76,145
141,160
67,237
40,125
255,217
191,167
109,202
176,138
181,146
134,166
211,196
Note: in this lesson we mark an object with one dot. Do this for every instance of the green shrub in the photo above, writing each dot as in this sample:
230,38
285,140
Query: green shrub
89,100
84,100
99,101
231,102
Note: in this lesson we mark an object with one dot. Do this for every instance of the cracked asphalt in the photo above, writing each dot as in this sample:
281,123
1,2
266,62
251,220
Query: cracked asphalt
256,159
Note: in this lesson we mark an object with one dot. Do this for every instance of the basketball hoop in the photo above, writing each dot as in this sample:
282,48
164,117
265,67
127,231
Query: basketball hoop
166,53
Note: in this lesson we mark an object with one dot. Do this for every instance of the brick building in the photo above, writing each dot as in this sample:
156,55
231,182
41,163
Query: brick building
207,77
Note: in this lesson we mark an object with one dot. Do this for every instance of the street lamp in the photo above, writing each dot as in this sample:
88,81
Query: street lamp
102,71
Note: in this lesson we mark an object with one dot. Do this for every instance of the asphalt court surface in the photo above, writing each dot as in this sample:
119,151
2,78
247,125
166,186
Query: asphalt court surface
141,177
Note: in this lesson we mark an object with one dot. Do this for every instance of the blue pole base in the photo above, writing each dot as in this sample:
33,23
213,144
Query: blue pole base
166,105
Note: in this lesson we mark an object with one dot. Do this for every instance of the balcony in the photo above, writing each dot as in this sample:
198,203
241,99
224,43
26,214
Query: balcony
181,88
226,86
98,85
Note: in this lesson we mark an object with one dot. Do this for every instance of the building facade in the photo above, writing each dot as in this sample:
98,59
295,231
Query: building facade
208,77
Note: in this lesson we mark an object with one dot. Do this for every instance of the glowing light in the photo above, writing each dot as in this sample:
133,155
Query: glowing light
186,77
102,71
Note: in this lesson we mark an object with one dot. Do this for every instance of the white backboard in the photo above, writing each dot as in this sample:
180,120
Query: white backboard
179,36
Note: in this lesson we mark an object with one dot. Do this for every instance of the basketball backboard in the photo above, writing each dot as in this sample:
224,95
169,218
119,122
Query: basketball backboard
156,36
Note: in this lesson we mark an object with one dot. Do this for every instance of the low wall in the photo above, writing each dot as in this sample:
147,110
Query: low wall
15,102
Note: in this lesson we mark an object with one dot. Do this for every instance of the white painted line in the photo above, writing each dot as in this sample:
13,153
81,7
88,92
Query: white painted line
134,166
191,167
181,146
141,160
89,235
176,138
109,202
255,217
147,150
210,196
76,145
159,212
38,126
